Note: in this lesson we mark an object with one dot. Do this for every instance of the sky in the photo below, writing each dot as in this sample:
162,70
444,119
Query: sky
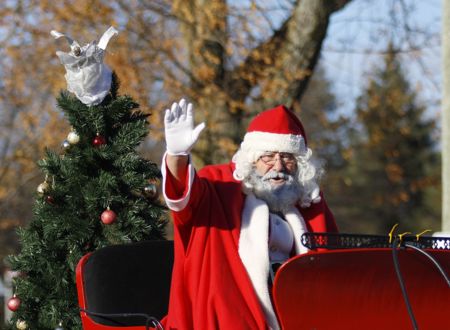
359,33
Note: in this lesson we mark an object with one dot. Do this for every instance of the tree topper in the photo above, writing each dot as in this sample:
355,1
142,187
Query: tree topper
86,74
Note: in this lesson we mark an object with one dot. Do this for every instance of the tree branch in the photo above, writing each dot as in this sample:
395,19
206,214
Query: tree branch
293,49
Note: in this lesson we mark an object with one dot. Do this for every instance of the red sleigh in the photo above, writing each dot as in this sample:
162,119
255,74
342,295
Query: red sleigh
359,282
125,286
357,286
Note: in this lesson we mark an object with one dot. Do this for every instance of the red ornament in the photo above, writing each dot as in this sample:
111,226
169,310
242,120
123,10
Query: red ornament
108,217
14,303
49,199
98,141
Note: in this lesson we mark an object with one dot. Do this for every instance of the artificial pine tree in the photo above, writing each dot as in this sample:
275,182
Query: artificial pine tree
98,191
393,159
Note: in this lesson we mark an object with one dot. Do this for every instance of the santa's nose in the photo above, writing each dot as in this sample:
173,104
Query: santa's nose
279,165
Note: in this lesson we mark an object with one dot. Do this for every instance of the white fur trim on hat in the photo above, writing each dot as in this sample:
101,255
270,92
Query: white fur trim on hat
265,141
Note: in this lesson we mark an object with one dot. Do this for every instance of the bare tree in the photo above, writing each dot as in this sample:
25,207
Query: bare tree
232,59
271,70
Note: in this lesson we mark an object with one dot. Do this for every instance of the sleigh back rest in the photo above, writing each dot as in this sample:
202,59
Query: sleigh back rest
129,278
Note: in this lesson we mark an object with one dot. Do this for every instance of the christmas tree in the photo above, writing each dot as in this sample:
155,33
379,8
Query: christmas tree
98,191
395,155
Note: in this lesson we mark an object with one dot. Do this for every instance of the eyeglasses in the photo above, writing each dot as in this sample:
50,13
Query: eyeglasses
270,158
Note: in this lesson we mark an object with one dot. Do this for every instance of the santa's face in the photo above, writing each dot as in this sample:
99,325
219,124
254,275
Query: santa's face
274,180
276,162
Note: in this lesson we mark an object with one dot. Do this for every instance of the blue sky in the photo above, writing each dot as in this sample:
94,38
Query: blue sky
359,33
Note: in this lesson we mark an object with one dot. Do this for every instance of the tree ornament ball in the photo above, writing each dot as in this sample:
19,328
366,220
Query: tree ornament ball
49,199
65,144
14,303
73,138
150,191
43,188
98,141
108,217
21,325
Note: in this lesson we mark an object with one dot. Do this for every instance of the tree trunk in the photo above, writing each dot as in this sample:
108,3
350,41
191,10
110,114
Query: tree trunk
279,67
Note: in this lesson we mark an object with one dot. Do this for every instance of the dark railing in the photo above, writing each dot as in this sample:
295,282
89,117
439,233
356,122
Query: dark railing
354,241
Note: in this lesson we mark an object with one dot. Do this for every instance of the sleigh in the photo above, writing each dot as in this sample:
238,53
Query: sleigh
125,286
351,281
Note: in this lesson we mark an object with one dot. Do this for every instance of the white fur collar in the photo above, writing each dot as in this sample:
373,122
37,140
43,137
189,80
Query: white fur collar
298,225
254,249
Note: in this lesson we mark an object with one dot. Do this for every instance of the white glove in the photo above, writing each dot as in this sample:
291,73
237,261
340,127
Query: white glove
179,129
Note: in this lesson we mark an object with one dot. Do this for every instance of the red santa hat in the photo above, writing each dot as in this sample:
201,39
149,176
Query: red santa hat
277,129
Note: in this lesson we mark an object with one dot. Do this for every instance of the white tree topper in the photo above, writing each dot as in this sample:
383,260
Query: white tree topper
86,74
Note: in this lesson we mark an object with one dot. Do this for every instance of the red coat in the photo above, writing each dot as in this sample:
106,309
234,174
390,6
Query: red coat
211,288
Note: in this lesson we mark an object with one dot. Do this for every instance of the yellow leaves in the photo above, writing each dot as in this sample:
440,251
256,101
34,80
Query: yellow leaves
394,173
395,198
405,130
374,101
210,55
54,131
423,183
402,197
3,192
227,146
159,56
392,153
348,181
7,224
79,13
394,97
234,106
348,154
376,136
205,73
184,9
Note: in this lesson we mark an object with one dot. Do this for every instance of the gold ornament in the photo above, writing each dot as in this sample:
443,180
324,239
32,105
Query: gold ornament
73,137
21,325
43,188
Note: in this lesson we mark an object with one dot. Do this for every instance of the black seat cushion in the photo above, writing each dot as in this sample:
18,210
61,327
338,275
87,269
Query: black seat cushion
129,278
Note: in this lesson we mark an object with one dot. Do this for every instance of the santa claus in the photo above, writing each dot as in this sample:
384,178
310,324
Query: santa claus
233,222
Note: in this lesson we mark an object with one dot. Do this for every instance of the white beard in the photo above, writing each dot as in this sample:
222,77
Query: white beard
279,198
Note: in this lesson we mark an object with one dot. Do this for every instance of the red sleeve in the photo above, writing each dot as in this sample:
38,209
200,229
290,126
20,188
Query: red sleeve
319,218
173,186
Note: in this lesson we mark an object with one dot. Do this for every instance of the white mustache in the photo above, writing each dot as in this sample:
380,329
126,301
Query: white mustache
275,175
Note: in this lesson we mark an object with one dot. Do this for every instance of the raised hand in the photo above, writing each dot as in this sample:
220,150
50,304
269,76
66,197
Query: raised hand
179,128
